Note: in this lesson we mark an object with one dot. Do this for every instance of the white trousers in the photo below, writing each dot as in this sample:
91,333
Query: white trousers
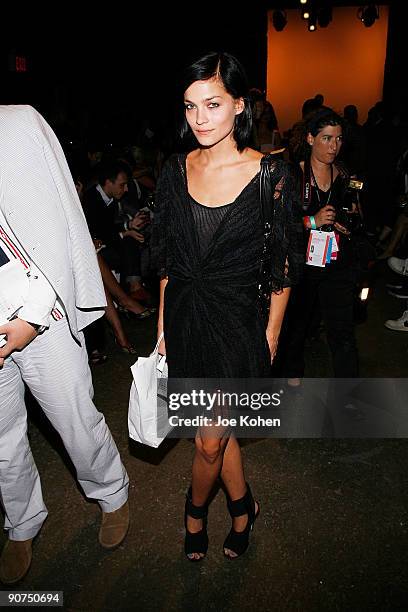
56,371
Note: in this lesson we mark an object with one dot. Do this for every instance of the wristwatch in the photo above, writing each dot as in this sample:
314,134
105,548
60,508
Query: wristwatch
38,328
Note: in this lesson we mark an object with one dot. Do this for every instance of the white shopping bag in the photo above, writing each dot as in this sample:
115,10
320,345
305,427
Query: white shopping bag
147,417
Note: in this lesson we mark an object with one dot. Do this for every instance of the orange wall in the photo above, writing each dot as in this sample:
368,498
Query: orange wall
344,62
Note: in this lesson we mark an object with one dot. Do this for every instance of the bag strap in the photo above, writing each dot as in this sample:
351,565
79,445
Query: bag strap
307,184
266,196
156,348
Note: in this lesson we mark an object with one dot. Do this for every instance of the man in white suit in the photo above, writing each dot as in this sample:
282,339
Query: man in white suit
43,230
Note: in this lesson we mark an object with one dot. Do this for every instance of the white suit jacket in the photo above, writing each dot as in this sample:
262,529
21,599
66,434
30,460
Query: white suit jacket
41,205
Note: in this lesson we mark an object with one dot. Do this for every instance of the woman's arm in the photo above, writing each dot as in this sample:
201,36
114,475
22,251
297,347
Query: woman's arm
288,254
279,301
160,323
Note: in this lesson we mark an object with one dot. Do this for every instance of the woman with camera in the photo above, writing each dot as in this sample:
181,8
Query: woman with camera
328,281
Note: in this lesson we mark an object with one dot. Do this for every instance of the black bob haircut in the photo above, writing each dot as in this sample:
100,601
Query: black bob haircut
231,73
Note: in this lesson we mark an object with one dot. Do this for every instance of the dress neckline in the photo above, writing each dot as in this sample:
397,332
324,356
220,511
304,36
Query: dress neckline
243,190
208,207
316,186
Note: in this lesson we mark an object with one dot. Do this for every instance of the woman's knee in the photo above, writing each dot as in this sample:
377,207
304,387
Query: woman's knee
210,449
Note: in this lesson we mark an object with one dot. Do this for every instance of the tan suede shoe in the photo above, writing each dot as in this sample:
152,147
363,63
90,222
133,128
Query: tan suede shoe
114,527
15,560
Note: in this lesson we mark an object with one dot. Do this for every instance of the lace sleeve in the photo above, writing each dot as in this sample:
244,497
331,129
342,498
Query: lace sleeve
287,230
159,242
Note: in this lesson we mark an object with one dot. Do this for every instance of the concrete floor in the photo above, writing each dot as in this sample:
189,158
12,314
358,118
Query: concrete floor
332,533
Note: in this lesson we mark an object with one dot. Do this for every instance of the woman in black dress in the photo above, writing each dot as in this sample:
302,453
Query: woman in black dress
208,239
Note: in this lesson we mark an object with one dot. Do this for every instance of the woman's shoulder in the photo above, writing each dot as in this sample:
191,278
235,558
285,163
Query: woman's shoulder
253,154
250,160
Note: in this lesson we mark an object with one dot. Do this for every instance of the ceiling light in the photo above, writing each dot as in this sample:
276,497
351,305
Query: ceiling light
312,22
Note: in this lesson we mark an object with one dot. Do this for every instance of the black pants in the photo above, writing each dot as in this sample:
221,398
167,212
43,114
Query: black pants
123,257
95,336
333,290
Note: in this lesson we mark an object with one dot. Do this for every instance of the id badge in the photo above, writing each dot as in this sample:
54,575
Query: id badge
317,248
329,250
335,247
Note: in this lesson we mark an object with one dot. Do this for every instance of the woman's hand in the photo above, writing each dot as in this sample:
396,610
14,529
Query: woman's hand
279,301
341,229
272,338
98,244
162,345
325,216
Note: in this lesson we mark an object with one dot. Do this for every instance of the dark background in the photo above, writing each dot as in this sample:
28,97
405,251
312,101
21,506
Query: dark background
101,72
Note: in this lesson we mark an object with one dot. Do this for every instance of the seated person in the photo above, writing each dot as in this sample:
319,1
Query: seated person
121,240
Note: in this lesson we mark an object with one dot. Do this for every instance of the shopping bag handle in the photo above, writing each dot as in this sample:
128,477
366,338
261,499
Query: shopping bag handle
156,348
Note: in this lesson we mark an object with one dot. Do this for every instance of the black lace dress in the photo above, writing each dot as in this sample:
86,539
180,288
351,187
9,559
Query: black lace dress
211,256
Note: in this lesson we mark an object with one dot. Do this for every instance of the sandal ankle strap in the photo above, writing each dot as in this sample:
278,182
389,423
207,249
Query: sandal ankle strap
241,506
196,512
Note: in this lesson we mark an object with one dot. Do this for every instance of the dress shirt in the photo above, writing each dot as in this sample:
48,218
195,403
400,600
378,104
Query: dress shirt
105,197
107,200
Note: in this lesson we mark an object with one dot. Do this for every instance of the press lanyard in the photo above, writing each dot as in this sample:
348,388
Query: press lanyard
317,186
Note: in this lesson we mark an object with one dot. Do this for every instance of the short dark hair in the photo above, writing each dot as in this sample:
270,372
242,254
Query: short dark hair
109,171
309,106
315,122
231,73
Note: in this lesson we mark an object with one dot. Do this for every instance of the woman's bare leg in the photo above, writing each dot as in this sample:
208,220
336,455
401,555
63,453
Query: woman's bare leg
217,456
116,291
232,472
233,477
210,445
115,322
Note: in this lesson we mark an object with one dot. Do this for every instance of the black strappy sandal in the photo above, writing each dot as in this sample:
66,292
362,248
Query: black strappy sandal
195,542
238,541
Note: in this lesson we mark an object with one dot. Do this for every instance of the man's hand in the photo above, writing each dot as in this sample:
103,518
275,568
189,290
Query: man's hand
135,235
140,220
19,333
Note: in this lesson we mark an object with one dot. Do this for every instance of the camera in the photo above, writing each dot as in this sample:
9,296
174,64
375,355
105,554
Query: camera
345,215
355,184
